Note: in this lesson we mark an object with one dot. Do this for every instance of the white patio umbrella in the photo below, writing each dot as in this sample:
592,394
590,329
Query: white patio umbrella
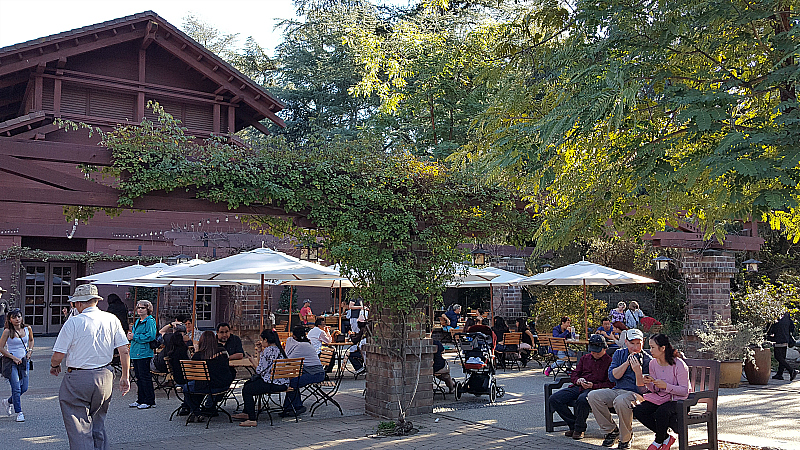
584,274
114,276
260,263
472,274
332,283
502,278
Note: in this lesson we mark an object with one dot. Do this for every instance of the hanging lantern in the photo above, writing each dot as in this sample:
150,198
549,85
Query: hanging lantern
751,265
479,256
662,262
546,266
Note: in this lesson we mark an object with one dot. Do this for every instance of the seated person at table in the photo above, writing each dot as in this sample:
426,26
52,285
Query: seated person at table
606,330
468,323
320,335
218,370
298,346
526,340
451,317
231,342
500,329
176,350
354,354
590,373
305,312
619,340
184,325
565,331
269,349
441,369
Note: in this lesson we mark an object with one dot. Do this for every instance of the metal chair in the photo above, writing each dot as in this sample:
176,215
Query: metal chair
325,390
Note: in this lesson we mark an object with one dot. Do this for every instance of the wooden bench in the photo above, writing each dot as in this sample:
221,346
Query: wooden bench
704,380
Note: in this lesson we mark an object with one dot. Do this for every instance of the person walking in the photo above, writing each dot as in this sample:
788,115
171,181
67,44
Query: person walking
16,345
3,308
144,331
353,312
782,334
590,373
666,382
623,395
86,345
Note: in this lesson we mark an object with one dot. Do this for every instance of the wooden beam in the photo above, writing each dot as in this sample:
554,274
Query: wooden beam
231,120
149,35
254,123
56,152
38,88
57,97
26,63
62,62
33,171
217,116
28,91
43,130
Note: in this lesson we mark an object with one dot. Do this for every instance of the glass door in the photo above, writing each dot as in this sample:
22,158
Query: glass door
47,289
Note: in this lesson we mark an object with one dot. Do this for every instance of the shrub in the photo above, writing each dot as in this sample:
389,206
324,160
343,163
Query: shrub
760,306
728,342
554,302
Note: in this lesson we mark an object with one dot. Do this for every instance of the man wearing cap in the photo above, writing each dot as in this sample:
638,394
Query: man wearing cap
86,345
305,312
624,393
591,373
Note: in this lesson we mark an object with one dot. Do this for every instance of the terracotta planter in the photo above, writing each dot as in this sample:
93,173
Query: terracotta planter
730,374
760,375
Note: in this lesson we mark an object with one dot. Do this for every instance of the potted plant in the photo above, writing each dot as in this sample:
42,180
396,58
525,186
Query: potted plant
731,345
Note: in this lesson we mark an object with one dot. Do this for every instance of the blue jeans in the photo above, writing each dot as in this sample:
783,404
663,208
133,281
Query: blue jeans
294,398
19,385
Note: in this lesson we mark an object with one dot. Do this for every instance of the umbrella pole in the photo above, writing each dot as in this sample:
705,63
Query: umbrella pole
291,294
194,310
340,306
491,302
262,301
158,301
585,313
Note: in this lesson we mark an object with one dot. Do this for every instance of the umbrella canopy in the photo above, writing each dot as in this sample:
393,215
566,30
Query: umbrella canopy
584,273
154,279
251,265
123,273
502,278
472,274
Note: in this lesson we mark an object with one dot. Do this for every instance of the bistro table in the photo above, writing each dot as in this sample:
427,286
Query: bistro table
244,362
580,345
341,352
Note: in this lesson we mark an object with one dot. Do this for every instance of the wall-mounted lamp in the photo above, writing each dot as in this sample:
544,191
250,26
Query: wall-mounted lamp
662,262
479,256
546,266
751,265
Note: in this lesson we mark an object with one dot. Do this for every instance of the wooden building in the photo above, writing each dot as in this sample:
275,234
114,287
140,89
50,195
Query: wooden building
104,75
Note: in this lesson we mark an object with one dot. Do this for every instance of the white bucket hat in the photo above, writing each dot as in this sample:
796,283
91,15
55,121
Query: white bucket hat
85,293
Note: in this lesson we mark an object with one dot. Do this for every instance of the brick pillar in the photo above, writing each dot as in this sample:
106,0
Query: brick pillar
387,383
708,292
508,299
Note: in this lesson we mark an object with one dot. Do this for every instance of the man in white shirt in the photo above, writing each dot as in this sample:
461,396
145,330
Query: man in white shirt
86,345
318,336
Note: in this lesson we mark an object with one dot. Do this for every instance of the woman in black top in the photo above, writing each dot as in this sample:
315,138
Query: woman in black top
440,368
527,340
117,308
500,329
219,372
781,333
176,350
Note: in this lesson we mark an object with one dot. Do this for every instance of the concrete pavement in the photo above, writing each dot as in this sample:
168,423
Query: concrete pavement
764,415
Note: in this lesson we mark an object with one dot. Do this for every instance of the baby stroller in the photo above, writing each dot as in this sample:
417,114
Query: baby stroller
477,363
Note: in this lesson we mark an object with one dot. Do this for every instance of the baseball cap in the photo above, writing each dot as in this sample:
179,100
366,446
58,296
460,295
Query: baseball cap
597,343
634,333
84,293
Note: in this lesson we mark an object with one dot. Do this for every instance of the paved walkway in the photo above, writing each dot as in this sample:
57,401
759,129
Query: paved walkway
765,415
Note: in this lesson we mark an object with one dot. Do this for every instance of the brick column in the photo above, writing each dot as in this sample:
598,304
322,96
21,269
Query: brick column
708,292
387,382
508,299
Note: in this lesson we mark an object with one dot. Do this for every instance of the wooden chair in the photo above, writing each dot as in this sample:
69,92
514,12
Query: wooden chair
283,326
560,345
510,351
198,371
544,352
332,321
704,380
281,368
324,391
283,336
178,393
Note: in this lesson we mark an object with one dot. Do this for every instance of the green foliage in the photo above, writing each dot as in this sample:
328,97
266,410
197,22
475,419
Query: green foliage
621,117
553,302
728,342
760,306
392,221
283,301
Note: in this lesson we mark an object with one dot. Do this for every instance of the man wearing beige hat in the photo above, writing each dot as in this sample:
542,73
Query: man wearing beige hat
86,345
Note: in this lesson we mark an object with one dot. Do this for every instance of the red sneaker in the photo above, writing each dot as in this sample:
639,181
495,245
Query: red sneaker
669,443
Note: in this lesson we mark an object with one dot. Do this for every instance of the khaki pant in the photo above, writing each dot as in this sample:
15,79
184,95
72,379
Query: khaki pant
622,401
84,397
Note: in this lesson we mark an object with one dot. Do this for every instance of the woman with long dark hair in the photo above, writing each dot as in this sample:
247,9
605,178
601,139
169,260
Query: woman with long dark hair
176,350
299,346
666,382
16,345
500,329
526,342
269,348
219,372
144,331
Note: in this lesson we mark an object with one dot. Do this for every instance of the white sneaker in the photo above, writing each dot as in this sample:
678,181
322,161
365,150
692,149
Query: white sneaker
144,406
20,417
10,409
134,405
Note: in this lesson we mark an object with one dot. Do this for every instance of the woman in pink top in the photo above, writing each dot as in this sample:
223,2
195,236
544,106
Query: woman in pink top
667,382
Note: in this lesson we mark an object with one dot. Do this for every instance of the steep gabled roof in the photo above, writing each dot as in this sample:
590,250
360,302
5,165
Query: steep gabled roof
150,28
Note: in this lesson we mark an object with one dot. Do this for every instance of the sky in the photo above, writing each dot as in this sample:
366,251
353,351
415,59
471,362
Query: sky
23,20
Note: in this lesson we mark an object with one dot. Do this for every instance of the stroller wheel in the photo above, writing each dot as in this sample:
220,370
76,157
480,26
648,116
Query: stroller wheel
500,392
492,392
459,390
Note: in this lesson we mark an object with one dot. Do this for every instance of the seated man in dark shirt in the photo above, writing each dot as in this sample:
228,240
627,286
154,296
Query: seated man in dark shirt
231,342
440,368
590,373
451,316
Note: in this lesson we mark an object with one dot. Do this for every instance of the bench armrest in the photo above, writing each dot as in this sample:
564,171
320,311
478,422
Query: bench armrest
550,387
694,398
